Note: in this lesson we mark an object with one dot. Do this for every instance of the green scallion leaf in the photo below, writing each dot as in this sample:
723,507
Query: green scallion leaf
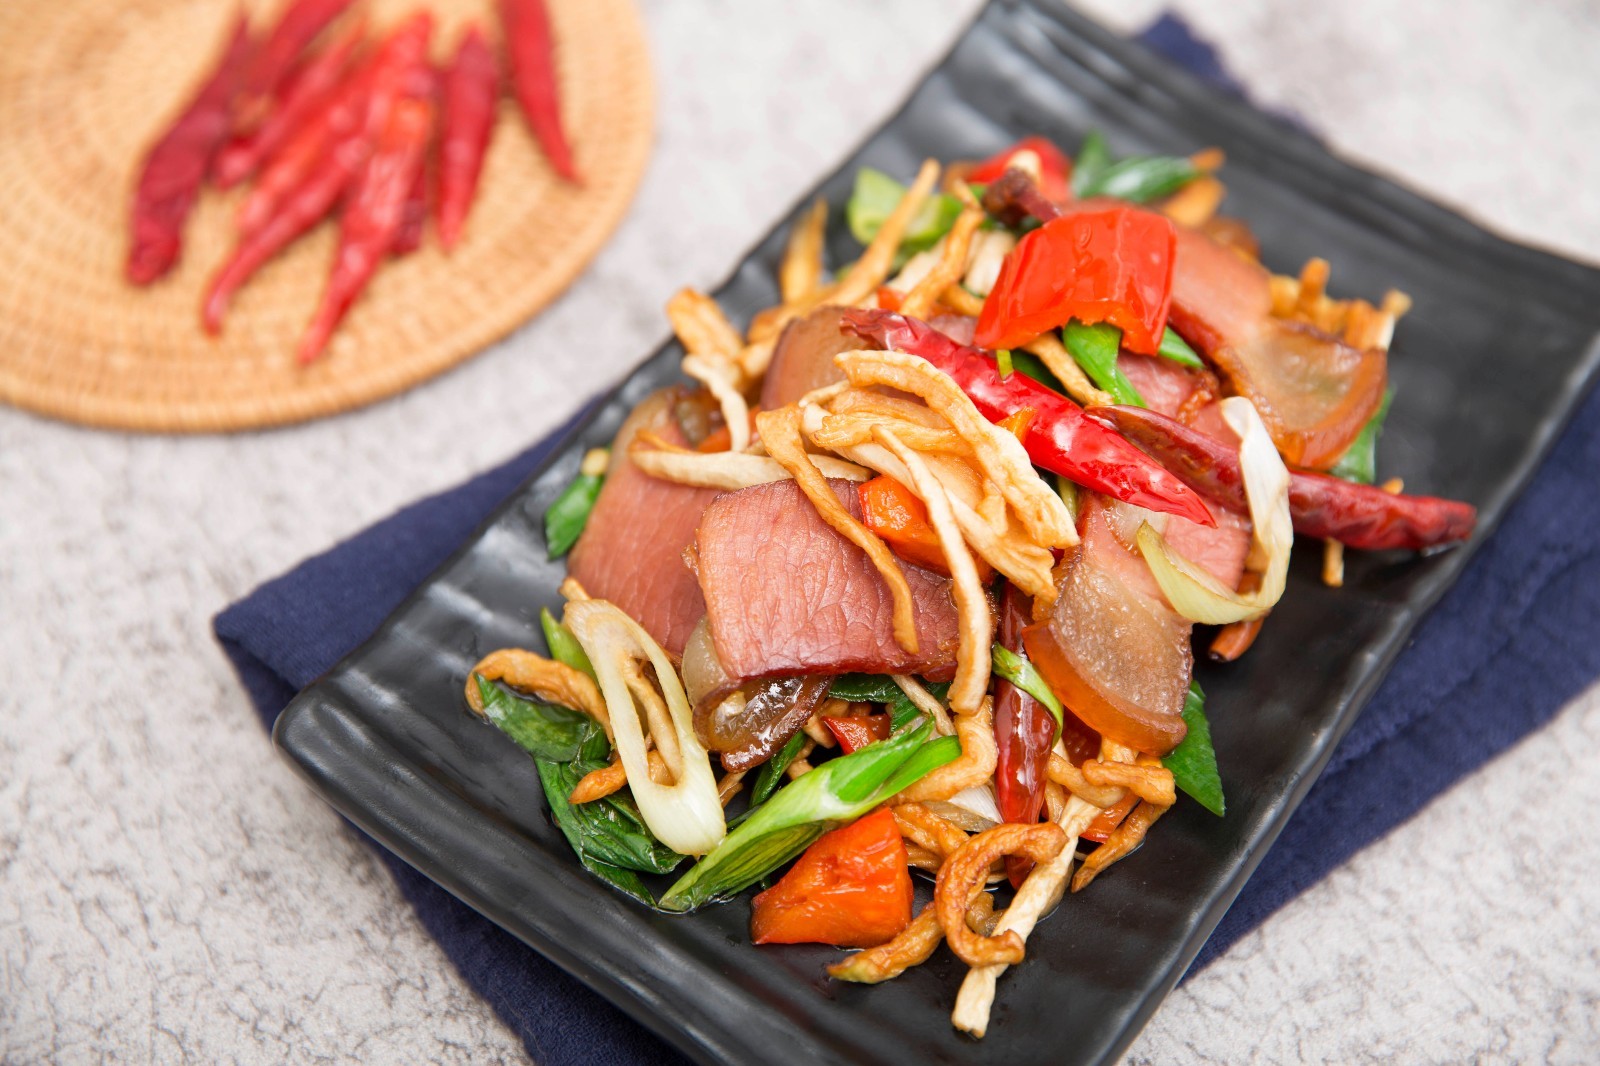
1360,461
838,791
1030,365
1095,349
1068,491
1093,159
1002,359
875,197
1177,349
564,521
1194,762
770,776
1021,673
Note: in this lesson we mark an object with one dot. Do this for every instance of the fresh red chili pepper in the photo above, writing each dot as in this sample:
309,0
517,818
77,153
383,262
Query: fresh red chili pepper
373,216
857,732
312,89
530,48
299,25
1055,169
176,166
1322,506
471,87
1110,265
1060,438
895,514
851,889
1024,732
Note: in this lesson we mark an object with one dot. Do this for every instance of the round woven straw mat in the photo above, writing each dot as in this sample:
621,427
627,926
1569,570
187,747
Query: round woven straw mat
87,85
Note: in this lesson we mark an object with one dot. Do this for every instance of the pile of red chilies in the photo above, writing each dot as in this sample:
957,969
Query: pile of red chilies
345,127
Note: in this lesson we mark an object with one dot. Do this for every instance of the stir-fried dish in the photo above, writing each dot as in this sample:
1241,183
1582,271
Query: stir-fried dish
908,577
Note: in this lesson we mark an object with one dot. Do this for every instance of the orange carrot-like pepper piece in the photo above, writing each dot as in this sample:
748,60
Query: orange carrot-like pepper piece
851,889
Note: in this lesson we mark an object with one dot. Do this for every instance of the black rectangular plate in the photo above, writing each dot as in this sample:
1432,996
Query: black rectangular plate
1499,350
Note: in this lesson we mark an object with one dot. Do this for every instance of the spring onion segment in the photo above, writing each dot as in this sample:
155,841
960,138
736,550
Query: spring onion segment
564,521
1095,348
839,791
1194,762
1021,673
564,647
686,815
1193,592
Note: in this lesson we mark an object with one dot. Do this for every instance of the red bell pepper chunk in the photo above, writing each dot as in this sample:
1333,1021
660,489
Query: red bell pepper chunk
895,514
855,733
1110,265
1105,823
1060,437
1055,169
851,889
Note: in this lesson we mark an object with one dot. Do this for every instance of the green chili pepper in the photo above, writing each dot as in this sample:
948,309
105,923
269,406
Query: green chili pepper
1095,349
1021,673
564,647
1360,461
838,791
1194,761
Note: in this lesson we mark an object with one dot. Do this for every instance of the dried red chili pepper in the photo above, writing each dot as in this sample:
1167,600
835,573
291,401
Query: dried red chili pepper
1360,516
299,25
471,85
176,166
312,89
1060,438
530,49
1024,732
326,160
372,217
413,215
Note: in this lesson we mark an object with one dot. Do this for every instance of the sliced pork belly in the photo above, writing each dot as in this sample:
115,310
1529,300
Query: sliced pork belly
785,594
1314,392
803,358
631,550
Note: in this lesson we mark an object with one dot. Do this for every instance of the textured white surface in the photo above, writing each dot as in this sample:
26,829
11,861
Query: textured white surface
169,892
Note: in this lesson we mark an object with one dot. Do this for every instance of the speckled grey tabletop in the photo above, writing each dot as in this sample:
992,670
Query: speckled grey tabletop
170,892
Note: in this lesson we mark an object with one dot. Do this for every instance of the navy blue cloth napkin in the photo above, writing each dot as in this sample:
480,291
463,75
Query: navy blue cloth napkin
1512,641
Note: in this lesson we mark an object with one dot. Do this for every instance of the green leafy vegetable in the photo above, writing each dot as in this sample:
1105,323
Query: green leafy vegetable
1177,349
1021,673
609,830
1194,762
1095,349
875,197
564,521
880,688
1360,460
836,792
1002,359
540,729
564,647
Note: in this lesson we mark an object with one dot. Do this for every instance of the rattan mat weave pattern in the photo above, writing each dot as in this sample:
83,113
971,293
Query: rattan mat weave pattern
86,85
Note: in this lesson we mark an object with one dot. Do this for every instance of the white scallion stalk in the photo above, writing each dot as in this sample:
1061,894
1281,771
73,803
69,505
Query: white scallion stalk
686,816
1193,592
